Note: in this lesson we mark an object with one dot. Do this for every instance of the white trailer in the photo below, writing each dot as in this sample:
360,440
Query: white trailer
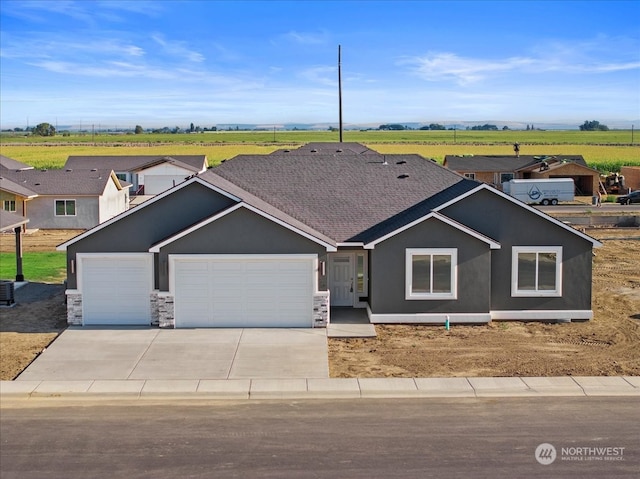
548,191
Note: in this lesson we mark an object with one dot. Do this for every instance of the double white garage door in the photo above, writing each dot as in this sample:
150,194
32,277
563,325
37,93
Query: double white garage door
230,291
209,291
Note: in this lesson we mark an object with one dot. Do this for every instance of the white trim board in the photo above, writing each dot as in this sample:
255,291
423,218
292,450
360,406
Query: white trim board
440,217
63,246
484,186
542,315
428,318
156,247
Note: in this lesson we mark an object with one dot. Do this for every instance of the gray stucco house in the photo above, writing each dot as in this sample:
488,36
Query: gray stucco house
278,240
61,199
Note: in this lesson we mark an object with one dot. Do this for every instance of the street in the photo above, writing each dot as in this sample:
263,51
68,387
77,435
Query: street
479,438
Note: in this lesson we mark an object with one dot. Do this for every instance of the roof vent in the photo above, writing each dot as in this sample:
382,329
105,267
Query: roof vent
94,169
314,151
43,170
402,177
384,162
401,162
339,150
69,169
287,151
37,184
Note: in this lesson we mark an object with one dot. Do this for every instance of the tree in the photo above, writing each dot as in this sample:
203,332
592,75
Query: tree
138,130
192,128
44,129
593,126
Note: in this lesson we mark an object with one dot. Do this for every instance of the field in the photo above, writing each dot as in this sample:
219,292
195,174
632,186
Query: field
606,151
606,345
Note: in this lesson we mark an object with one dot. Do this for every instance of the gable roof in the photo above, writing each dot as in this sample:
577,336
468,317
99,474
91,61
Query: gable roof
15,188
11,164
503,163
9,220
156,248
63,182
484,186
194,163
340,195
147,203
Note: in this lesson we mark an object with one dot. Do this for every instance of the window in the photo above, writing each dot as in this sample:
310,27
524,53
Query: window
360,273
65,207
536,271
504,177
9,205
471,176
431,273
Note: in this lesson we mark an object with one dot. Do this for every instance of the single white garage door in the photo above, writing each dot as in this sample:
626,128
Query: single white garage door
156,184
248,291
116,289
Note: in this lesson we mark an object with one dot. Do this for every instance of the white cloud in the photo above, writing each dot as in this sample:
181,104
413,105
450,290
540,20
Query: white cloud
178,49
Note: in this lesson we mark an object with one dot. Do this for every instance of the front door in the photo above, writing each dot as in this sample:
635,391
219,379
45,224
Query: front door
341,279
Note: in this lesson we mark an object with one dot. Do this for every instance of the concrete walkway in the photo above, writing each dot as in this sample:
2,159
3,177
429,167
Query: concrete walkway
319,388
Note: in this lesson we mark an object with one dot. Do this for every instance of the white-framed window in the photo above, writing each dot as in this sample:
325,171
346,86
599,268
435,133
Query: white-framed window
9,205
504,177
536,271
431,273
471,176
65,207
361,273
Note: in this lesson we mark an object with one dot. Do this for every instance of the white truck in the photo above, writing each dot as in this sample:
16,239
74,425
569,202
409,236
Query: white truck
543,191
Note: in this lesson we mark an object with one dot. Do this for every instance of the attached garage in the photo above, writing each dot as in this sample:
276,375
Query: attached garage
243,290
115,288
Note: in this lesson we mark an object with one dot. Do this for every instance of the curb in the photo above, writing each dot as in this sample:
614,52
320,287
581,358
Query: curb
323,388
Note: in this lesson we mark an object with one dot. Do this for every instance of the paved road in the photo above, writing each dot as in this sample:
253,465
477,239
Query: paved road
479,438
608,208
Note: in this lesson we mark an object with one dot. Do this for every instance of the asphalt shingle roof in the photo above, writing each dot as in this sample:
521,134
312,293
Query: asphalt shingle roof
61,182
11,164
342,195
193,163
503,163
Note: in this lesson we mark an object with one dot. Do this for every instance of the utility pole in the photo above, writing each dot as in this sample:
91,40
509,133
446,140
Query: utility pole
340,90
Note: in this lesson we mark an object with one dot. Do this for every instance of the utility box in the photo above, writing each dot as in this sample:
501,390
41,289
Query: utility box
7,292
549,191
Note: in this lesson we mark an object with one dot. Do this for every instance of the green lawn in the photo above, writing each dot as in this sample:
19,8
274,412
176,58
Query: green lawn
41,267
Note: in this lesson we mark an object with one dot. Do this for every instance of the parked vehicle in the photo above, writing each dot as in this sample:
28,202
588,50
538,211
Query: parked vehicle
633,197
547,191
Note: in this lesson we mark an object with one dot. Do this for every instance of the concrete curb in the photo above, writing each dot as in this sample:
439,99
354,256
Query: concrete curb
323,388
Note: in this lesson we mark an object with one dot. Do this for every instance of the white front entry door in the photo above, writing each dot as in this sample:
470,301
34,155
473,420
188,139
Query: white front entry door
341,279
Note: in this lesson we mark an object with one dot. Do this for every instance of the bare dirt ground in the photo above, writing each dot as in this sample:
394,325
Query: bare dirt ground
607,345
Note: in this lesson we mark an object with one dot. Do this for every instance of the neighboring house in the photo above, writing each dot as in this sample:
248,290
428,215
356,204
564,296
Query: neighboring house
631,176
495,170
277,240
62,199
148,174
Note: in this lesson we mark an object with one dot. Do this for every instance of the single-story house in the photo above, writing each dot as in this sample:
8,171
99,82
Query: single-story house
496,169
62,199
278,240
148,174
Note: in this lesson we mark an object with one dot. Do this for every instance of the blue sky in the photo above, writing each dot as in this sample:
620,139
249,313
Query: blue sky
167,63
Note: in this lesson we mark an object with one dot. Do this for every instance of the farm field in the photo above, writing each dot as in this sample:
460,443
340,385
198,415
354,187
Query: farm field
603,157
606,345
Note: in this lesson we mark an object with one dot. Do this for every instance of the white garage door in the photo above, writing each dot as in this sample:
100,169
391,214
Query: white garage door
116,289
156,184
248,291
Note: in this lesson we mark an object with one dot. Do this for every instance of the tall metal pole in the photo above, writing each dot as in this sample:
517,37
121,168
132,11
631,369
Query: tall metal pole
340,90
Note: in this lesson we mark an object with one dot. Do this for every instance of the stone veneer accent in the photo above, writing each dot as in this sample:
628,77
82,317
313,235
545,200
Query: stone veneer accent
155,315
166,313
321,309
74,308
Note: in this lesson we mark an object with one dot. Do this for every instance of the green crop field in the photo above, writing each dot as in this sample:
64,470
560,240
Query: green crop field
604,150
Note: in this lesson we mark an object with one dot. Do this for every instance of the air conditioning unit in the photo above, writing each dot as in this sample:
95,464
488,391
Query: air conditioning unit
7,290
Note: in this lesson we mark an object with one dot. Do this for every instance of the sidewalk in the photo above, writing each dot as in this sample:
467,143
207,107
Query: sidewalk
321,388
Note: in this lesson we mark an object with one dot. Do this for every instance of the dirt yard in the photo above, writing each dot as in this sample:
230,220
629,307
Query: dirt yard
607,345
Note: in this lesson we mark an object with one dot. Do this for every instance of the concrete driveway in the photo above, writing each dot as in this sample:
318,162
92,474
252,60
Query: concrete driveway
81,353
